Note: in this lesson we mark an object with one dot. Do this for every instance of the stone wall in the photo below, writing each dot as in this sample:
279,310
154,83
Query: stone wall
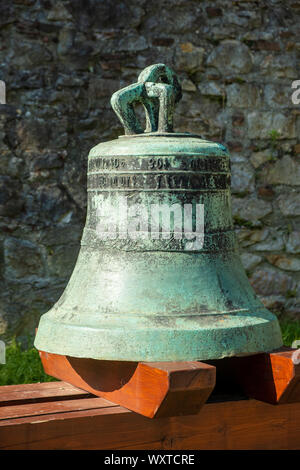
61,61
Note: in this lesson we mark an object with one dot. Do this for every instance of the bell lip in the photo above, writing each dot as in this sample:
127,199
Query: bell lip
155,344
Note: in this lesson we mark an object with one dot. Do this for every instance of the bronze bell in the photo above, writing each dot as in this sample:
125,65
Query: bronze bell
158,276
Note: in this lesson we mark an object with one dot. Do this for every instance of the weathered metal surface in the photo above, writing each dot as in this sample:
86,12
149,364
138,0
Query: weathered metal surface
158,90
151,298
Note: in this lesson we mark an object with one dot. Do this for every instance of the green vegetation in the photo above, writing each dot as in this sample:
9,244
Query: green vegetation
290,331
24,365
239,80
291,293
242,222
274,135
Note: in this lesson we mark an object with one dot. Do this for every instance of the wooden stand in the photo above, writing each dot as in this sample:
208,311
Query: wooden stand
57,415
269,377
151,389
161,389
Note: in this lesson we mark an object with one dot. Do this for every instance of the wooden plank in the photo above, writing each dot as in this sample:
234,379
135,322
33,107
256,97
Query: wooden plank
245,424
153,389
38,387
32,409
40,392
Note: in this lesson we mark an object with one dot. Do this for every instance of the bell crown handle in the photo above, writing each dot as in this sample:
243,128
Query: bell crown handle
158,90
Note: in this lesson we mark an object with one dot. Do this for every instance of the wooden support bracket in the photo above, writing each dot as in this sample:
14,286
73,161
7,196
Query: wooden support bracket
152,389
269,377
162,389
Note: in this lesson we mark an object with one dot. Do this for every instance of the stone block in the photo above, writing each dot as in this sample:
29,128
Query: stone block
284,262
293,243
289,203
250,208
231,57
61,260
189,57
268,282
250,261
262,123
284,171
243,95
11,200
22,259
259,158
242,178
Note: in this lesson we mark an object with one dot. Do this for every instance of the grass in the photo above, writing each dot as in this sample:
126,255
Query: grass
24,365
290,331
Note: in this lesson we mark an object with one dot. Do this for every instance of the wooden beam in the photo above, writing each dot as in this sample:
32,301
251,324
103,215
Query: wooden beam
96,423
153,389
39,392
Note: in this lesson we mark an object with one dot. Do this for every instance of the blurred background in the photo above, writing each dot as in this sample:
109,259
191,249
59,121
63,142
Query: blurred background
62,60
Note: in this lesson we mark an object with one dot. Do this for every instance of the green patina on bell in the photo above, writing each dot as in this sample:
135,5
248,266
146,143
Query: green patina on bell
147,289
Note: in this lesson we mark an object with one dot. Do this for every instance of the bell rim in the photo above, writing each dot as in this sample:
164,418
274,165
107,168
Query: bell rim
159,344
